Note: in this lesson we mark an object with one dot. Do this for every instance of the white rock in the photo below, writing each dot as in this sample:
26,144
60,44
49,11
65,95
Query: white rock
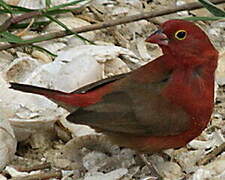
21,68
216,167
136,3
5,59
187,160
126,156
211,140
113,175
219,177
52,45
104,1
201,174
32,4
120,10
143,52
220,71
2,177
7,140
78,130
80,71
42,56
26,112
197,144
94,160
39,4
170,170
77,66
14,173
181,3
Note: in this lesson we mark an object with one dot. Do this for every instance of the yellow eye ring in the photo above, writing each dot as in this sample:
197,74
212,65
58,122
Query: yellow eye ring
180,34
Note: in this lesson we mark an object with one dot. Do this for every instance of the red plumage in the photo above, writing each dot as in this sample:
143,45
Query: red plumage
164,104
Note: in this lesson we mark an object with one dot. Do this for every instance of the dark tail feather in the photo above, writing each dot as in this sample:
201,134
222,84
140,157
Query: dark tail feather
35,90
59,97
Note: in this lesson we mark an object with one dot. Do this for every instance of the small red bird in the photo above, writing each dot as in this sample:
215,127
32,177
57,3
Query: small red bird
164,104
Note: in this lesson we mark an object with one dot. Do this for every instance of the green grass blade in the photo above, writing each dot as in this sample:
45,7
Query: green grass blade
83,39
3,11
3,40
35,25
68,30
5,6
11,38
45,50
21,9
59,23
48,3
212,8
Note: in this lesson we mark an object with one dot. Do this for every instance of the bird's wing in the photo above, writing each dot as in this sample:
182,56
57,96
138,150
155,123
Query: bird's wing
98,84
136,109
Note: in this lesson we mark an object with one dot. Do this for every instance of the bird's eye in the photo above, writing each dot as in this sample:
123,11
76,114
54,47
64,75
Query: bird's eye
181,34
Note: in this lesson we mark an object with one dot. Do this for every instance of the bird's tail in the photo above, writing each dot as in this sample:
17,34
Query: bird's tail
35,90
59,97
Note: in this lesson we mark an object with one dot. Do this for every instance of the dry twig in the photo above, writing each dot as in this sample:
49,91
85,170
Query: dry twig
212,154
33,168
40,176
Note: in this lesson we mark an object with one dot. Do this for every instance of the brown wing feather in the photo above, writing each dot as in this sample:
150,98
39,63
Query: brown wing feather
125,111
98,84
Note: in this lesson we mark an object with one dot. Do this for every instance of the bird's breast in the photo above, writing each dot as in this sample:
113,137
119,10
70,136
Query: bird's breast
194,93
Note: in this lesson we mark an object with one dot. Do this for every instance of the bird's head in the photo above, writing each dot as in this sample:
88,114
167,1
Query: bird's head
184,39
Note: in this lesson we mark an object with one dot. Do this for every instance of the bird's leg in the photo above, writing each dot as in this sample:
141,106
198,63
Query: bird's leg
151,166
